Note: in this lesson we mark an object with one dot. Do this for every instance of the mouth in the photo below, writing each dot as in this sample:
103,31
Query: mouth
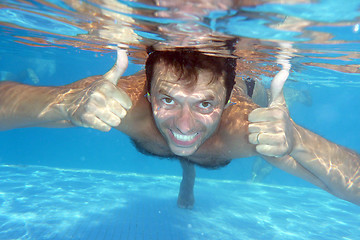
184,140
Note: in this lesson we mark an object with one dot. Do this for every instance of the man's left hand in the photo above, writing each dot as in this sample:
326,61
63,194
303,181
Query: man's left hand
271,129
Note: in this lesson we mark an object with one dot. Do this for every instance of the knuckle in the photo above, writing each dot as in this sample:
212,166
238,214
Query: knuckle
123,114
284,139
278,113
104,128
253,128
98,97
105,116
252,138
278,128
283,125
106,86
281,150
87,118
115,121
89,107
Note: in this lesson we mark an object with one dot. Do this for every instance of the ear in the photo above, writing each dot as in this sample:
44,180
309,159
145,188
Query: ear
229,102
148,97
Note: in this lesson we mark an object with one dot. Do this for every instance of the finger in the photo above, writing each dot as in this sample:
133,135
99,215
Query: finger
270,151
97,100
264,127
277,85
273,139
117,108
107,117
90,120
262,138
99,109
110,91
119,67
265,115
121,96
116,100
253,138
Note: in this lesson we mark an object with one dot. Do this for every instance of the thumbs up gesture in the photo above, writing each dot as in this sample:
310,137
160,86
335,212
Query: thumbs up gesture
101,104
271,129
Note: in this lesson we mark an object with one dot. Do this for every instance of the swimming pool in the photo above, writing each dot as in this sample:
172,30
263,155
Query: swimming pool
84,184
52,203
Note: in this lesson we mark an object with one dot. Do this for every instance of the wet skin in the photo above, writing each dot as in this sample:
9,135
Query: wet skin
195,127
194,124
186,117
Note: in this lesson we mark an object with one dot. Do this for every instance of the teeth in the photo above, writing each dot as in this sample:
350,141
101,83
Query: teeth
184,138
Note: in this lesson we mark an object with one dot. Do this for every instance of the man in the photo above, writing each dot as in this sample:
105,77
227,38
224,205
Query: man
186,113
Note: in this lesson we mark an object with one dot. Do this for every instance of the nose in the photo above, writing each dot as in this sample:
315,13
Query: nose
185,121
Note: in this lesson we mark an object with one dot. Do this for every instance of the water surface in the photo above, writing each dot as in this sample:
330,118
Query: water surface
83,184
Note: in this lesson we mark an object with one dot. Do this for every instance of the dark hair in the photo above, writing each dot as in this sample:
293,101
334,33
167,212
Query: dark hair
187,63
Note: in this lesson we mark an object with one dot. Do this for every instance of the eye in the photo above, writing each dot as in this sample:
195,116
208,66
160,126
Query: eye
168,101
205,105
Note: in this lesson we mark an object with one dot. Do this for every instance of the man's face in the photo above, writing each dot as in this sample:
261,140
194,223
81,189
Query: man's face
186,117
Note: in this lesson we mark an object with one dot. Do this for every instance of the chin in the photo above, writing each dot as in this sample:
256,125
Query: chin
183,152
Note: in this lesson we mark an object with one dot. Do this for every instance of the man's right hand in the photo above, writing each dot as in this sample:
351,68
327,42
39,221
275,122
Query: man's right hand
102,104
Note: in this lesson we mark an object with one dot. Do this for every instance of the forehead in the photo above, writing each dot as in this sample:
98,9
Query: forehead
165,76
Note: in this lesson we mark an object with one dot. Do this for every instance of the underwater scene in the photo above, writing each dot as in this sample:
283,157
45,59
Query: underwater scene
69,180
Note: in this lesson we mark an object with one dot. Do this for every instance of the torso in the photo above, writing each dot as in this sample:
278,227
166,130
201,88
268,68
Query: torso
228,142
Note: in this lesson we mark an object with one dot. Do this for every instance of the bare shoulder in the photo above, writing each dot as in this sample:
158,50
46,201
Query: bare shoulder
139,118
133,85
234,125
235,117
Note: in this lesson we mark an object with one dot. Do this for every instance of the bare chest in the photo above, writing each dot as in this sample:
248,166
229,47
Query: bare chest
228,142
205,156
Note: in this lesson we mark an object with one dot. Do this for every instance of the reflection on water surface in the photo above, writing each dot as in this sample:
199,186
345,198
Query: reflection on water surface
325,34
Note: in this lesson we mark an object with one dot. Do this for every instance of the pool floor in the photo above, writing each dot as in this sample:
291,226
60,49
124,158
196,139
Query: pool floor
49,203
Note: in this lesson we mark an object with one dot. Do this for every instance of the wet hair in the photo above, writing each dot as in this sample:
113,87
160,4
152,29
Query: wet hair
188,62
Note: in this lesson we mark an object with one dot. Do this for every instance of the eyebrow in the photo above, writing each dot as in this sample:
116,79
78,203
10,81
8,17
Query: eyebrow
206,97
209,97
163,92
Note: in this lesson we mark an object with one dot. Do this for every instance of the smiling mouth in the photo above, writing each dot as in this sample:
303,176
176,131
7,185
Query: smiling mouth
184,140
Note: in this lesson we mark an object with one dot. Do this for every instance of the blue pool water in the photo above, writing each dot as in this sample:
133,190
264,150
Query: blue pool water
84,184
52,203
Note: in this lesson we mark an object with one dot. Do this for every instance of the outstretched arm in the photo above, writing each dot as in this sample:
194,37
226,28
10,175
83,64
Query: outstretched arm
91,102
301,152
25,106
336,166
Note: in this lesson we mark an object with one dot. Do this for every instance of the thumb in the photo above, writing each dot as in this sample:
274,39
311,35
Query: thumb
277,85
114,74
